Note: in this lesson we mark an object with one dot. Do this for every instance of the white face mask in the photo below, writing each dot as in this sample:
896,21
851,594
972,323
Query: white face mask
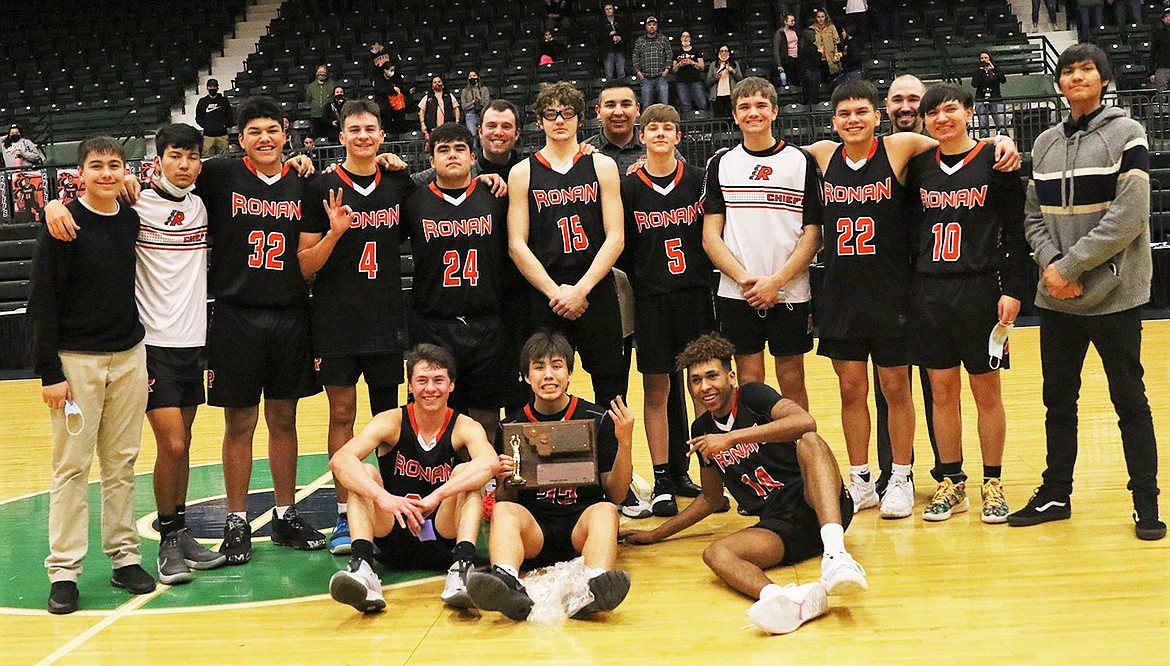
71,409
997,344
172,189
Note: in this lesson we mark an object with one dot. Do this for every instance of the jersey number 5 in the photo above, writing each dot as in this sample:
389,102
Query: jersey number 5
855,236
266,250
453,276
676,261
947,241
573,234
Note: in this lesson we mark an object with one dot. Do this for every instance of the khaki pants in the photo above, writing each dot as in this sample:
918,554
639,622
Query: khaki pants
110,389
214,145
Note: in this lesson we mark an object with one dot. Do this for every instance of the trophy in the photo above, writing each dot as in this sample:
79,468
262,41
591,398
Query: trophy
515,479
552,454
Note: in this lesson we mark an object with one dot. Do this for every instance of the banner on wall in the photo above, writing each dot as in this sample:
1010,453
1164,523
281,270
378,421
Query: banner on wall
30,191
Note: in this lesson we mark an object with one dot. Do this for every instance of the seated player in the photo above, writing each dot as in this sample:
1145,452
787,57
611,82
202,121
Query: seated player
541,527
419,508
766,449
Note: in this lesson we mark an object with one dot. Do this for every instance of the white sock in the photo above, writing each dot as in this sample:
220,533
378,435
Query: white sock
511,570
342,507
859,471
243,515
833,537
770,590
900,472
594,573
280,511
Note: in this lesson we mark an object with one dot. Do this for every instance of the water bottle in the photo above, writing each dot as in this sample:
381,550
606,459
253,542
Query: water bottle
783,78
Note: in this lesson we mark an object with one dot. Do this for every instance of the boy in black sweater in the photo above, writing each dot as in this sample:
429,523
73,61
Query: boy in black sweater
88,351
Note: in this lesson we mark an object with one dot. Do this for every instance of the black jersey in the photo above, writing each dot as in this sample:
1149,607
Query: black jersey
866,288
253,224
664,230
357,301
565,227
459,245
409,469
569,500
970,217
754,470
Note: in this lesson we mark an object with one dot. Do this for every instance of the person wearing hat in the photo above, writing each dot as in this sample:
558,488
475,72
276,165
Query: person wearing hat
1160,52
19,151
653,57
213,113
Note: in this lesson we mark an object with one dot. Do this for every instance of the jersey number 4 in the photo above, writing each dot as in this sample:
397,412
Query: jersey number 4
947,241
457,270
573,234
762,484
855,236
368,263
266,250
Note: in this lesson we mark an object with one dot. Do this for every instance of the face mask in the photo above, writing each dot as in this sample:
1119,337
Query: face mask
339,98
997,344
72,410
172,189
472,80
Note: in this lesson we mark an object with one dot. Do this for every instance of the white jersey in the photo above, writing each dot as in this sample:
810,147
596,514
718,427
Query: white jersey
767,198
170,284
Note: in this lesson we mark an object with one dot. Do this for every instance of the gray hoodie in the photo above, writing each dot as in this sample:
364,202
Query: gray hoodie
1088,211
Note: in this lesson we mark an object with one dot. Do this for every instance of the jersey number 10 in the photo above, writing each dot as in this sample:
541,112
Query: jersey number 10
947,241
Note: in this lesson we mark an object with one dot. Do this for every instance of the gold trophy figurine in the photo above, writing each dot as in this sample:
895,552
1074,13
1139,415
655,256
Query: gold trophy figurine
516,479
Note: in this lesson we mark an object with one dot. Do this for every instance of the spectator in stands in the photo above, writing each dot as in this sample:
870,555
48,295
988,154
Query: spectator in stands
380,57
986,82
852,49
390,92
721,12
1092,16
689,74
557,13
498,134
19,152
1050,5
613,45
1072,15
652,57
784,44
292,137
722,76
549,50
335,112
474,99
213,113
857,18
317,95
1127,12
808,62
1160,52
826,38
437,107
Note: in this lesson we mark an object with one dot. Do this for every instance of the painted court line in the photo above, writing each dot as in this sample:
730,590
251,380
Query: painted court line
122,611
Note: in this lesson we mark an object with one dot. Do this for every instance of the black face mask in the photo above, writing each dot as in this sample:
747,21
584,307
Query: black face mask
472,80
339,98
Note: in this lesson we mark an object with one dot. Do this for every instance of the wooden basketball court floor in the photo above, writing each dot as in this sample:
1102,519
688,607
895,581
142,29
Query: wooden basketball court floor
1078,591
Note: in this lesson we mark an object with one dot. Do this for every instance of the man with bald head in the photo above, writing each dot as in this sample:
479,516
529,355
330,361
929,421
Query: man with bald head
902,104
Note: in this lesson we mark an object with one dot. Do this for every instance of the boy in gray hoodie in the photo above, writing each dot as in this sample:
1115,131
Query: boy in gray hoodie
1087,220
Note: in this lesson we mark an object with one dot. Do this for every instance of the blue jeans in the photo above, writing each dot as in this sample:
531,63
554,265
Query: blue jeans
985,111
655,85
693,94
472,119
1050,5
1091,19
615,65
1127,11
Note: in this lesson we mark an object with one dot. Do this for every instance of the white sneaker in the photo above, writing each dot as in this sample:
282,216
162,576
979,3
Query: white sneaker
862,493
841,574
899,499
455,590
793,606
358,586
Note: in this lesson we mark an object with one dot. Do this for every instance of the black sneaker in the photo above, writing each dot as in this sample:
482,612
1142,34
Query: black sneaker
172,567
634,506
63,597
498,590
133,578
685,487
1045,506
663,503
1148,524
237,540
293,531
609,589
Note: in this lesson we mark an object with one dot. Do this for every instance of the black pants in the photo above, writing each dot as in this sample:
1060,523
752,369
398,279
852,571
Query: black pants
1064,340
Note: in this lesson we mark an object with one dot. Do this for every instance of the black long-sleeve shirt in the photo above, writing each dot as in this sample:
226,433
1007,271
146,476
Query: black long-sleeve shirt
1160,49
987,82
214,115
82,296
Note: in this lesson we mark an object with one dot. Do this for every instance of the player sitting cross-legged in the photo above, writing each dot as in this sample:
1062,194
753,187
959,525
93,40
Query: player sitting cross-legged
419,508
766,449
